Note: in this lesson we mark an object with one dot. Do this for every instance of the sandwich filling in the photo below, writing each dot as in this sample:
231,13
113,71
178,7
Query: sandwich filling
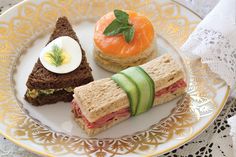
34,93
122,112
101,121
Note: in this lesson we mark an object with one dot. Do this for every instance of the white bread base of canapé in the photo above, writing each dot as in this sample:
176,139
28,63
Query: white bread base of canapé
116,64
158,100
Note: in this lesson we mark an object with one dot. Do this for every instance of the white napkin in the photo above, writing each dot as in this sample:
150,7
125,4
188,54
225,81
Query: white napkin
214,41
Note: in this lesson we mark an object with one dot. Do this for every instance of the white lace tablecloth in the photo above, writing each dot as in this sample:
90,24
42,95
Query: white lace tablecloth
214,142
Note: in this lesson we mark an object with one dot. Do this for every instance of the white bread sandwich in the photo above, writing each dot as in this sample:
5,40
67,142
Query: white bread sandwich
106,102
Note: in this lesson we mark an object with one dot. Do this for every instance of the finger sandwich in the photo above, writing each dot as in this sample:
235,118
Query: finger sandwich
103,103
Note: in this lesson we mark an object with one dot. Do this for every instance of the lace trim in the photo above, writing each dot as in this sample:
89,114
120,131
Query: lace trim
214,142
216,51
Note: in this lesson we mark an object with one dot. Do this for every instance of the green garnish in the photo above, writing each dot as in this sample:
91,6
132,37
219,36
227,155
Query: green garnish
120,25
56,57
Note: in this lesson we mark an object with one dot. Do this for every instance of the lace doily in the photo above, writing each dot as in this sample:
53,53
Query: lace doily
214,142
216,51
231,122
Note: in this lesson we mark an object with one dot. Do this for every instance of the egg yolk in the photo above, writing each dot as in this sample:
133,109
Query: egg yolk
64,56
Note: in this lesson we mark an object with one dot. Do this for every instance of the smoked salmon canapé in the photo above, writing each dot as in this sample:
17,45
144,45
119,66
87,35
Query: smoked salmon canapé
123,39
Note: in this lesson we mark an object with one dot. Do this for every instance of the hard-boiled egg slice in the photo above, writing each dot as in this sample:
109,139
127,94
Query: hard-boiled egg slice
61,55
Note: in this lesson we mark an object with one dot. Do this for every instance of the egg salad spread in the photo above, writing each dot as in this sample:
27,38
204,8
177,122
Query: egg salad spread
33,93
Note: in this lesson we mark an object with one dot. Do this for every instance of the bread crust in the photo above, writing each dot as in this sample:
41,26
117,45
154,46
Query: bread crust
164,71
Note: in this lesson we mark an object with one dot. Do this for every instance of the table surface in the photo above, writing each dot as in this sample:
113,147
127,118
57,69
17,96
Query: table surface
215,141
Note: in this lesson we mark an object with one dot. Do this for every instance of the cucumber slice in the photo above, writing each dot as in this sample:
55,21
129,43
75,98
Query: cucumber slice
145,87
130,88
151,86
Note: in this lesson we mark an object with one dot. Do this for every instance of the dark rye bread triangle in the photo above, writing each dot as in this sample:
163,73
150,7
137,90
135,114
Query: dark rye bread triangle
41,78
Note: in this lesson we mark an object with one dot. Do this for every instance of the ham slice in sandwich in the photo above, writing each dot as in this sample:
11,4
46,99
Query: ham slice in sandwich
101,104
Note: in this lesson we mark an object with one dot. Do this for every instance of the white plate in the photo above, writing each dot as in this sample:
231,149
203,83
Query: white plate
50,130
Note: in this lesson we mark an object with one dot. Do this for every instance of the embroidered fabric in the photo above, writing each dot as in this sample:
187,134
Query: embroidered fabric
215,50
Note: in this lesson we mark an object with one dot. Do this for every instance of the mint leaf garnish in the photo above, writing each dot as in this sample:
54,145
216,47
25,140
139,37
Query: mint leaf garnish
121,16
129,34
113,28
120,25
